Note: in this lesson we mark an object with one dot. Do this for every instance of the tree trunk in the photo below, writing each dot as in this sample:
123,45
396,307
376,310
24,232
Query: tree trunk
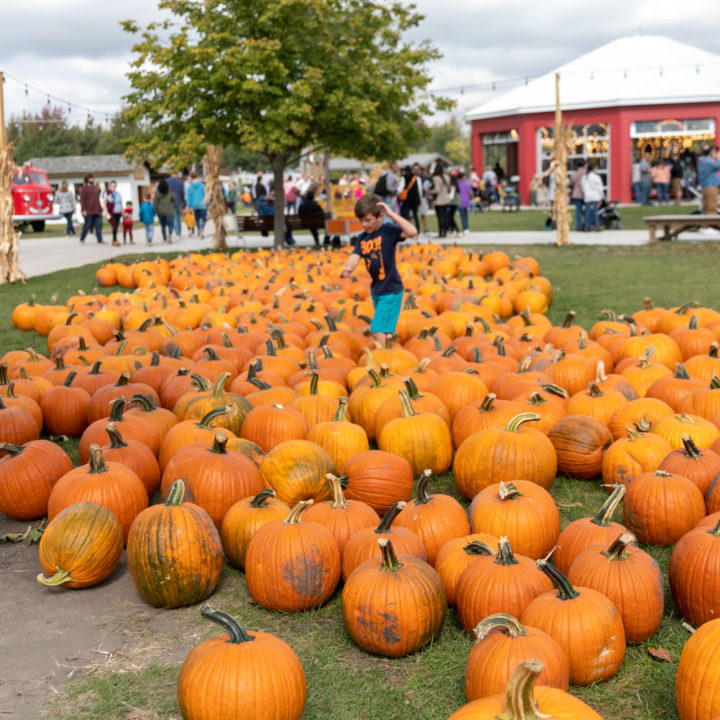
9,239
214,196
277,162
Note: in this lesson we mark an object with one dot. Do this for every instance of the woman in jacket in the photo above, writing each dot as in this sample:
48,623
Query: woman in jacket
593,193
441,193
112,200
195,200
66,206
164,204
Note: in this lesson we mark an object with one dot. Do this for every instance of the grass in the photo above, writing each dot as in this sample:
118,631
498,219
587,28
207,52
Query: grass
344,682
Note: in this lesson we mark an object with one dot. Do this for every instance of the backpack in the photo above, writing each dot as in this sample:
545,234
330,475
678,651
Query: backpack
381,186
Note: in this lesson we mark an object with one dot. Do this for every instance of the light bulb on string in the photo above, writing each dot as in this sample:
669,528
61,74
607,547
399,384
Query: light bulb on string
26,91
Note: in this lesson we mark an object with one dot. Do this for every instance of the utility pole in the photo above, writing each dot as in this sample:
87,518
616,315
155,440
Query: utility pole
3,138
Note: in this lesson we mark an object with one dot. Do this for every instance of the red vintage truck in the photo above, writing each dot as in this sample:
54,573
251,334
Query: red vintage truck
32,198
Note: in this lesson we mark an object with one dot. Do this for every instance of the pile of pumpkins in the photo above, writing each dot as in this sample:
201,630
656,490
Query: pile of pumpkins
246,391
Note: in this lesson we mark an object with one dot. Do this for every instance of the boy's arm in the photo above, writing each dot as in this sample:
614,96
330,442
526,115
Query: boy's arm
351,264
408,229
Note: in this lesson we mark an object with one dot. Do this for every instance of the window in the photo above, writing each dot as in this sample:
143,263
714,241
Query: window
676,128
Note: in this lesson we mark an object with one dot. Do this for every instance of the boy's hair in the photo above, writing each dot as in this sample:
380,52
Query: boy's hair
146,196
128,203
368,205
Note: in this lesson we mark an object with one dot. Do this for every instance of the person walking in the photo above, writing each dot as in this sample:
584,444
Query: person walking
676,177
290,194
645,178
195,200
387,187
661,177
490,183
465,192
91,209
177,187
453,205
232,198
576,193
66,207
147,217
593,193
635,180
441,193
164,204
113,208
708,165
127,222
409,196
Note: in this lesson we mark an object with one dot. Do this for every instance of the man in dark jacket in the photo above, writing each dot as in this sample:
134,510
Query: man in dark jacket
91,208
676,177
177,188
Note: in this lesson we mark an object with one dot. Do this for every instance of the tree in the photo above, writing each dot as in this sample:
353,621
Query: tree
279,77
449,138
43,134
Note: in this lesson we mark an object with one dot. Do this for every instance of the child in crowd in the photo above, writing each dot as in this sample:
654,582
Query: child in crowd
190,221
127,221
376,246
147,217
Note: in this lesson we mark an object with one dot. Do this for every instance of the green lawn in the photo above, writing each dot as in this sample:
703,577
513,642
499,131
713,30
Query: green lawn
344,683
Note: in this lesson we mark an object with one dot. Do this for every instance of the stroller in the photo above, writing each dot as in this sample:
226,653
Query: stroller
608,215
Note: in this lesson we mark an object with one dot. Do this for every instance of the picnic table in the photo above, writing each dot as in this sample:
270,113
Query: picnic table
673,225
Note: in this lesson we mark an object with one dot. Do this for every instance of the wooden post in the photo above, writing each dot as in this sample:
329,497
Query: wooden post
214,195
9,239
328,184
560,158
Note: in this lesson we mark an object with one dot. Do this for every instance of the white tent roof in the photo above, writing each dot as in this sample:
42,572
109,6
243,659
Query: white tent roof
635,70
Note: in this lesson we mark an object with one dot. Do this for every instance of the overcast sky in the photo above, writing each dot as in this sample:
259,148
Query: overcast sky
75,49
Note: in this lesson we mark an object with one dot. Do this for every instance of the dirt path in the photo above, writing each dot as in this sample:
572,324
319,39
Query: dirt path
50,635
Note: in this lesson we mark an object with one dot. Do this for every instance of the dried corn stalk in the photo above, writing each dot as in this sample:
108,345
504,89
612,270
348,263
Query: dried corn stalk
9,239
214,196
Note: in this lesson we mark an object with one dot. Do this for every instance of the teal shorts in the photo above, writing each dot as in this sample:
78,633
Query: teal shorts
387,312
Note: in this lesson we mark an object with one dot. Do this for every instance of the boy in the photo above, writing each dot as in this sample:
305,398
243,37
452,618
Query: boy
376,246
147,217
127,221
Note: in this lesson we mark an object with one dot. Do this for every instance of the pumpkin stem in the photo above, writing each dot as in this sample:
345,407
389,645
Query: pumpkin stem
11,449
487,403
422,488
518,420
616,551
116,412
412,389
499,621
407,407
124,379
60,577
390,515
602,518
296,513
235,630
714,348
508,491
504,555
219,386
314,380
116,439
143,401
219,443
714,382
338,498
519,700
390,563
176,494
477,547
680,372
376,379
568,321
691,449
262,497
96,460
216,413
565,590
341,413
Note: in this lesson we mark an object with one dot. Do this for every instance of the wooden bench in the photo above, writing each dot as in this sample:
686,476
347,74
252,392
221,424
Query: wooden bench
673,225
266,223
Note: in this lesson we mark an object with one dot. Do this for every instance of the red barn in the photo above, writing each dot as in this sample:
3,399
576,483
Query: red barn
633,93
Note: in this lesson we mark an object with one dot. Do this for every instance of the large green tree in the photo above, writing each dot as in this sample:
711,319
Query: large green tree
280,78
450,138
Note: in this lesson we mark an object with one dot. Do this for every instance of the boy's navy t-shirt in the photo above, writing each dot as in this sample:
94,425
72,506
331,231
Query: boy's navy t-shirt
377,249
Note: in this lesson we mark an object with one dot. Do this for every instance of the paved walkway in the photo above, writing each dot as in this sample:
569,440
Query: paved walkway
41,255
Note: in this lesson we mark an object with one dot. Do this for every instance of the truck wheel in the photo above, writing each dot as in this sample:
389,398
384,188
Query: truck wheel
38,225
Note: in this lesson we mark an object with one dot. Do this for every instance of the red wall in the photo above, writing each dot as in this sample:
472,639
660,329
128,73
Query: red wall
618,119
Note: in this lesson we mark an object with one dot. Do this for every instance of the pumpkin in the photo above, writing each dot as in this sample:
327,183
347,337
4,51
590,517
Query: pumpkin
545,403
237,406
240,674
502,644
456,389
642,372
697,681
455,555
435,518
216,478
103,398
341,516
522,511
22,401
292,565
633,455
579,443
596,403
159,418
135,455
496,454
394,606
629,577
269,425
111,484
580,534
379,479
174,552
480,415
316,406
504,583
673,427
694,574
80,547
640,413
340,438
27,475
712,497
362,545
673,389
17,426
523,701
659,507
366,399
584,622
243,519
422,439
700,466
